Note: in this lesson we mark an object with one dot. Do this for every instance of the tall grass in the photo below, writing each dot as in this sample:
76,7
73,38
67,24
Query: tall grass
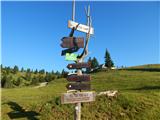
138,99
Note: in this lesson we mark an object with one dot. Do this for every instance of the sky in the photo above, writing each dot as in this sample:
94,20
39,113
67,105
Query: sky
32,32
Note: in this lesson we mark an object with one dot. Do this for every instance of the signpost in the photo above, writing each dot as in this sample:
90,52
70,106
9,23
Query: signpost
67,98
78,81
78,65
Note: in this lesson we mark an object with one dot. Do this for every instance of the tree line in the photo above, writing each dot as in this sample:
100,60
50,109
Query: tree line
108,63
15,77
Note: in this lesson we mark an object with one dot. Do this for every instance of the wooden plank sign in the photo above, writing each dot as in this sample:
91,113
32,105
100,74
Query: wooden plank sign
78,65
70,42
77,97
81,27
78,86
79,78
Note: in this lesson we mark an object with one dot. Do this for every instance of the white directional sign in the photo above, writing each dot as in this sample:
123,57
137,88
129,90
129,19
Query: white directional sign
81,27
77,97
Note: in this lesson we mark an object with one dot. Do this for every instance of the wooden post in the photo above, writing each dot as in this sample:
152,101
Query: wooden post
80,60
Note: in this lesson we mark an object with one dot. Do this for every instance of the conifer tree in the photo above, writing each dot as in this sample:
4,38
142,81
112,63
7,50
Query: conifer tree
94,63
108,61
15,69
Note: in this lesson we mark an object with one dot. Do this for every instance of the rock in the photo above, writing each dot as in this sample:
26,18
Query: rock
109,93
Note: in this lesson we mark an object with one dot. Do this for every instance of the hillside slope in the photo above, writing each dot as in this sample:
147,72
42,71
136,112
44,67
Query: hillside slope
138,99
148,67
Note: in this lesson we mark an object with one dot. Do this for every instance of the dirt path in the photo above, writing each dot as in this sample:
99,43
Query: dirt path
41,85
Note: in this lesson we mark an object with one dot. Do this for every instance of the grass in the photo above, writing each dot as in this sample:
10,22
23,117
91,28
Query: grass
138,99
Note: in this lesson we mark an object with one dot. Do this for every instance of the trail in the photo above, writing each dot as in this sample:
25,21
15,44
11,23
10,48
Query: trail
41,85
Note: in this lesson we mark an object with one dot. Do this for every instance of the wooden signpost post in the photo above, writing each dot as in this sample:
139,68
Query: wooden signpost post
78,81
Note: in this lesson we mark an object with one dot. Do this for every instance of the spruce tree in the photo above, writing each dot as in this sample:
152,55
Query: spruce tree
15,69
64,74
108,61
94,63
36,71
1,66
22,69
42,71
89,62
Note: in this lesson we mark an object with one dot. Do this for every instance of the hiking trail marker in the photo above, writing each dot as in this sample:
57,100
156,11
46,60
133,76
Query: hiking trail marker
77,81
79,78
77,97
78,65
70,42
81,27
71,57
78,86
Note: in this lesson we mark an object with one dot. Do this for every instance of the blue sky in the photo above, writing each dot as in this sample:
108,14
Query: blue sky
31,32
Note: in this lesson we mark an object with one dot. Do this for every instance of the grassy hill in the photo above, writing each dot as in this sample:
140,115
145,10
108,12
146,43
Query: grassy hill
148,67
138,98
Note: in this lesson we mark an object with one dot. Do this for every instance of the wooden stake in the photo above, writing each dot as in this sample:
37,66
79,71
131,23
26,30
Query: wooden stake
80,60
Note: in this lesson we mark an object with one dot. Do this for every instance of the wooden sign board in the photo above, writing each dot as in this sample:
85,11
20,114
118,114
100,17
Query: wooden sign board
77,97
78,86
81,27
79,78
70,42
78,65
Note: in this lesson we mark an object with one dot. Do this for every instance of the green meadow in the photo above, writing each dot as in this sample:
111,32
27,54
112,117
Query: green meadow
138,98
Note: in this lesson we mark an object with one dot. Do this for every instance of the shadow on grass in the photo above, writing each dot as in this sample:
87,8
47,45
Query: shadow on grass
147,88
19,112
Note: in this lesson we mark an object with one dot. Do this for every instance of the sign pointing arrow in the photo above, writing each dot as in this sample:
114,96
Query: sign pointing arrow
79,78
81,27
78,65
70,42
78,86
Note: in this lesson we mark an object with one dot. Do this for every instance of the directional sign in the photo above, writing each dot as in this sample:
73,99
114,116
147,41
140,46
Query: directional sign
71,56
79,78
77,97
70,42
78,65
70,50
78,86
81,27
